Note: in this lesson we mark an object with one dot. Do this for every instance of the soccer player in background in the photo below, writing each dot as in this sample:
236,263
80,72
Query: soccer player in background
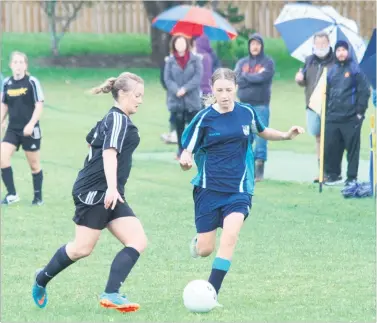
22,99
98,194
221,138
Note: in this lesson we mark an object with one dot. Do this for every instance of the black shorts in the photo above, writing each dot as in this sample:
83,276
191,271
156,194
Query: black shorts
16,138
90,210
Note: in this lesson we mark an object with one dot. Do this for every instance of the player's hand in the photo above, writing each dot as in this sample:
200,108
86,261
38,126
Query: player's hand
181,92
299,76
186,160
294,132
28,130
111,198
261,70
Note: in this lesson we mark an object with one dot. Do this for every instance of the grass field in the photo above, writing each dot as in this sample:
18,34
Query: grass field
302,257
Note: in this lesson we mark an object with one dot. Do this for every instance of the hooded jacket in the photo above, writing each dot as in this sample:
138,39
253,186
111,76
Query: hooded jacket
203,47
347,91
254,87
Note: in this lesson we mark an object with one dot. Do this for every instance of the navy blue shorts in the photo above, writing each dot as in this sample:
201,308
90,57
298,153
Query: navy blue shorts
212,207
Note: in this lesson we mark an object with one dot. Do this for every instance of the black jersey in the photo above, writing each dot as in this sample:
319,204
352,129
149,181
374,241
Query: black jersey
117,131
21,96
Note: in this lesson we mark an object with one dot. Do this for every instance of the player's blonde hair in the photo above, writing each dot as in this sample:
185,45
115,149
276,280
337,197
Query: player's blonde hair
124,82
17,53
220,74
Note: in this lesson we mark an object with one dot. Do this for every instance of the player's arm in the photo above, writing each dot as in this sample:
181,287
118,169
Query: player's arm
272,134
191,140
115,131
4,112
38,98
38,101
4,105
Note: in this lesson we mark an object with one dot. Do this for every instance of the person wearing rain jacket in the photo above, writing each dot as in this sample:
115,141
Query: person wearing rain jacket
254,80
202,47
347,99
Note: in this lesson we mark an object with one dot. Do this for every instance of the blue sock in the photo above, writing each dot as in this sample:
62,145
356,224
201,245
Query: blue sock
220,267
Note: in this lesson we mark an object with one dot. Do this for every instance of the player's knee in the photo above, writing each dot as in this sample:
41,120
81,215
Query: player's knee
34,166
78,252
205,250
140,244
4,158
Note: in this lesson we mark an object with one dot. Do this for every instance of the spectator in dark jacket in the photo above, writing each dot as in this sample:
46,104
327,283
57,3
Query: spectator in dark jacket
254,79
308,77
347,100
202,47
171,136
182,75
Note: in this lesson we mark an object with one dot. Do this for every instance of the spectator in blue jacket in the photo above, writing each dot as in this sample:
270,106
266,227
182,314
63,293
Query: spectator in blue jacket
254,79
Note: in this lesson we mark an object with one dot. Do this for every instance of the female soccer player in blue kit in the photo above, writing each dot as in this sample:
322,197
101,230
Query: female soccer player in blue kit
221,138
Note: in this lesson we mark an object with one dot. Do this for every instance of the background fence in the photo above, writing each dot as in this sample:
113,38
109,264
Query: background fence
130,17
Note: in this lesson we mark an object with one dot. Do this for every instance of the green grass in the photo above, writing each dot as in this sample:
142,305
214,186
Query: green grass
302,257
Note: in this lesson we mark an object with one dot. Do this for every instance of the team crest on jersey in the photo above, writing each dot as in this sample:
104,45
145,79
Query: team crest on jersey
246,130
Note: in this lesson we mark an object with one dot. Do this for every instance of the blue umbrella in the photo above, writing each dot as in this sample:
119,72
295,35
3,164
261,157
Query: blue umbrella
298,23
368,64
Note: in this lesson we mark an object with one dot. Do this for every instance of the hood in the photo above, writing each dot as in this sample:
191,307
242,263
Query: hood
259,38
203,44
342,43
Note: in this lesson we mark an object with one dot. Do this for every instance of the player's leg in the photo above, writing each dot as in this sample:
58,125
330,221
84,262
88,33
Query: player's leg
82,245
9,145
235,211
127,228
31,146
207,220
229,236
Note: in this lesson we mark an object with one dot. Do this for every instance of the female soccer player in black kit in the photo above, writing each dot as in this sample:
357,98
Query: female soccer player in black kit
21,99
98,195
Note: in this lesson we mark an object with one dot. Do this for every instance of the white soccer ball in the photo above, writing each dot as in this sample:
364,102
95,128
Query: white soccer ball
199,296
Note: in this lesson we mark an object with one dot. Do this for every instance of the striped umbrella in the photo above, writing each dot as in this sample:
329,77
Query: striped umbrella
194,21
298,23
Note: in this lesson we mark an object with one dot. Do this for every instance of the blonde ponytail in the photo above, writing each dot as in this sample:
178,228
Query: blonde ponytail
105,87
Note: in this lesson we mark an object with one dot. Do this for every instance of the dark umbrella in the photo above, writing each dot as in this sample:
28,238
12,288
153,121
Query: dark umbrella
368,63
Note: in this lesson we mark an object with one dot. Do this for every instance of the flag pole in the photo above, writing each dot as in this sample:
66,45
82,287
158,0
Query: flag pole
322,141
372,171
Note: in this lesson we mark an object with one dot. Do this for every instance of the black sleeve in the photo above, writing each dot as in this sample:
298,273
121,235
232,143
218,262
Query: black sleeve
115,131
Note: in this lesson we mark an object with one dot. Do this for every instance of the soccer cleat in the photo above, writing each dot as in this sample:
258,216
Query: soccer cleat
37,201
193,250
118,302
39,293
10,199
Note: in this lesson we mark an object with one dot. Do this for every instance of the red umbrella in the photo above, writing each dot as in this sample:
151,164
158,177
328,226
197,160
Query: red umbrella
194,21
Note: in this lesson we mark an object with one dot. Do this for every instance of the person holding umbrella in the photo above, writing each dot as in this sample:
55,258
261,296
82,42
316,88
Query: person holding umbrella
308,77
182,76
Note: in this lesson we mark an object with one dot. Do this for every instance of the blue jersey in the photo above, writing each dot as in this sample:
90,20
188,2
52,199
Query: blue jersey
222,144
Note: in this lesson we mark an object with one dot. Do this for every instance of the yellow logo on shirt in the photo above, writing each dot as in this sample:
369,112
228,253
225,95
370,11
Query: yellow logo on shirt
17,92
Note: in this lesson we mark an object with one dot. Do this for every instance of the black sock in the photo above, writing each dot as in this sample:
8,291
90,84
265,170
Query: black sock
219,269
58,263
120,268
37,183
7,175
